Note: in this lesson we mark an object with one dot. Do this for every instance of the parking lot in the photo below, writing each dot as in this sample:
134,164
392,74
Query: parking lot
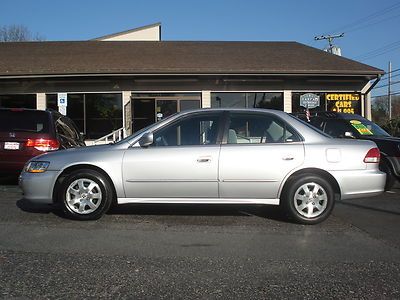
206,252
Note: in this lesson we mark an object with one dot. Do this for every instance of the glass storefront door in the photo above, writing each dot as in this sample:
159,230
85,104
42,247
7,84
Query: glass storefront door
150,108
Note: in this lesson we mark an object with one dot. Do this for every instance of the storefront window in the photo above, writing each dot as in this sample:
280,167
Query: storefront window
248,100
18,101
332,101
95,114
103,114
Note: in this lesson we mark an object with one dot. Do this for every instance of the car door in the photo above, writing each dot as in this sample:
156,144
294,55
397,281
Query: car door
182,162
260,150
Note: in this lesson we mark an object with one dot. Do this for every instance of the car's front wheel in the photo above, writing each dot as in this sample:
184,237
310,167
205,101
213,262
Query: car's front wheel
85,195
308,199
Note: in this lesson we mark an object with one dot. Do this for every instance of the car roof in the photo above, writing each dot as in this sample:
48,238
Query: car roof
333,115
47,111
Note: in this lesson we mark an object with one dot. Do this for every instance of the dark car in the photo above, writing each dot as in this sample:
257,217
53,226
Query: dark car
341,125
25,133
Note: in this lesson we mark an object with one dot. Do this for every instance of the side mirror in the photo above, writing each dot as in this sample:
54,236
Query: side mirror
146,139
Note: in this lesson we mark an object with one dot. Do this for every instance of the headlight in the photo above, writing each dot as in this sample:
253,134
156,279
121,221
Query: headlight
37,166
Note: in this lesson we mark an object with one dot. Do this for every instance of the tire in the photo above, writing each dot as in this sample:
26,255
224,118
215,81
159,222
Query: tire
384,166
300,199
85,195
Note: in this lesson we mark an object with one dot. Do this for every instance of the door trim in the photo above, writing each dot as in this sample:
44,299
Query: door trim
199,201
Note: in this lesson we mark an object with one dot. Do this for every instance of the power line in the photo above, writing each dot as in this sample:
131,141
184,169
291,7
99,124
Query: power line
380,50
392,94
394,71
367,18
373,23
381,53
381,86
383,79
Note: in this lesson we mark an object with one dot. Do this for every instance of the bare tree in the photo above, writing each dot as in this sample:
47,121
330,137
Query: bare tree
18,33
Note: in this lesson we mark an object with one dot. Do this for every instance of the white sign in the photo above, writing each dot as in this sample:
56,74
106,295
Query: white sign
63,110
309,100
62,99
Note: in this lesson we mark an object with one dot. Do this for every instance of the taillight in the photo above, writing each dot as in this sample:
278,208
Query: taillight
43,144
373,156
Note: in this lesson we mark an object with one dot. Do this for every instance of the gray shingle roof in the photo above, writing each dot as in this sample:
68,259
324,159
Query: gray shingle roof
169,57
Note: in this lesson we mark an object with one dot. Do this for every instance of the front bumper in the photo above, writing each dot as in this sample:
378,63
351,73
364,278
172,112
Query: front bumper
38,187
360,183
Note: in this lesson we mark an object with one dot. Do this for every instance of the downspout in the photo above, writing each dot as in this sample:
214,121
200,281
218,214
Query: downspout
368,108
373,85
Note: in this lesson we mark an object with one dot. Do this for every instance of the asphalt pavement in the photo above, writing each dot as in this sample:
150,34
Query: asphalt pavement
200,252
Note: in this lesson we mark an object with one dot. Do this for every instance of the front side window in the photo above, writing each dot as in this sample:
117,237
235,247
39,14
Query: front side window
258,129
195,130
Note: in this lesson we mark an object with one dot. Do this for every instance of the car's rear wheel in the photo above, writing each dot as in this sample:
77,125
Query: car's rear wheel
85,195
308,199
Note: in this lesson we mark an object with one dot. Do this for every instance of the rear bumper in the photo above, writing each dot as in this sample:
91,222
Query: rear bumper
11,167
360,183
38,187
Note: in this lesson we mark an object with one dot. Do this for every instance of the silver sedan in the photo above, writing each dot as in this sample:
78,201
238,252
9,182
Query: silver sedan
210,156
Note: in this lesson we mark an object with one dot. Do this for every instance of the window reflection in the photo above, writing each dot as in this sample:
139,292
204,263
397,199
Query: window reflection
248,100
18,101
94,114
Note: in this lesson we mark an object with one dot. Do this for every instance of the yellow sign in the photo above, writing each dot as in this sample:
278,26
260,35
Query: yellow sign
342,97
343,102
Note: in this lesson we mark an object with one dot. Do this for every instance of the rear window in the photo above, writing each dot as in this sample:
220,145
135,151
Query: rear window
24,120
365,127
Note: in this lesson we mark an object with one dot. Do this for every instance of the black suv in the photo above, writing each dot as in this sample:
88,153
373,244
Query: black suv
25,133
341,125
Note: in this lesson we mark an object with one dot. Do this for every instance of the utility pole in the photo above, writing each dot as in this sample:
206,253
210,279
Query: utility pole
389,90
330,40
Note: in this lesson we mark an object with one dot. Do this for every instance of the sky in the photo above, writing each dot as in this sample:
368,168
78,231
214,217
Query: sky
371,27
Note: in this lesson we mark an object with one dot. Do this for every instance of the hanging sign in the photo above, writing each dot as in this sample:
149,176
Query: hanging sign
62,99
62,103
309,100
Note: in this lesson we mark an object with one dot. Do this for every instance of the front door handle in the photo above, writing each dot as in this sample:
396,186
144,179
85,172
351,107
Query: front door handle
204,159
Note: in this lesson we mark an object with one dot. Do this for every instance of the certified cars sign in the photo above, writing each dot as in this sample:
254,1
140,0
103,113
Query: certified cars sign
344,102
309,100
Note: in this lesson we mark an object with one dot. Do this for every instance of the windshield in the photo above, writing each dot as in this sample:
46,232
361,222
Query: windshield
365,127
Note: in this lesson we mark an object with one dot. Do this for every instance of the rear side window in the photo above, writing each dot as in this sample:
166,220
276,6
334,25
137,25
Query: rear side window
259,128
24,120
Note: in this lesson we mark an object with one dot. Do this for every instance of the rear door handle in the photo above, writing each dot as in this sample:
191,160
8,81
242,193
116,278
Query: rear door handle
288,158
204,159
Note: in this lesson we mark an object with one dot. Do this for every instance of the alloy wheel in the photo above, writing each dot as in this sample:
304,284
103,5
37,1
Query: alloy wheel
310,200
83,196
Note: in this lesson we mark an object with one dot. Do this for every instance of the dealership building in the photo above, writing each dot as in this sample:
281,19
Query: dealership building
126,81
